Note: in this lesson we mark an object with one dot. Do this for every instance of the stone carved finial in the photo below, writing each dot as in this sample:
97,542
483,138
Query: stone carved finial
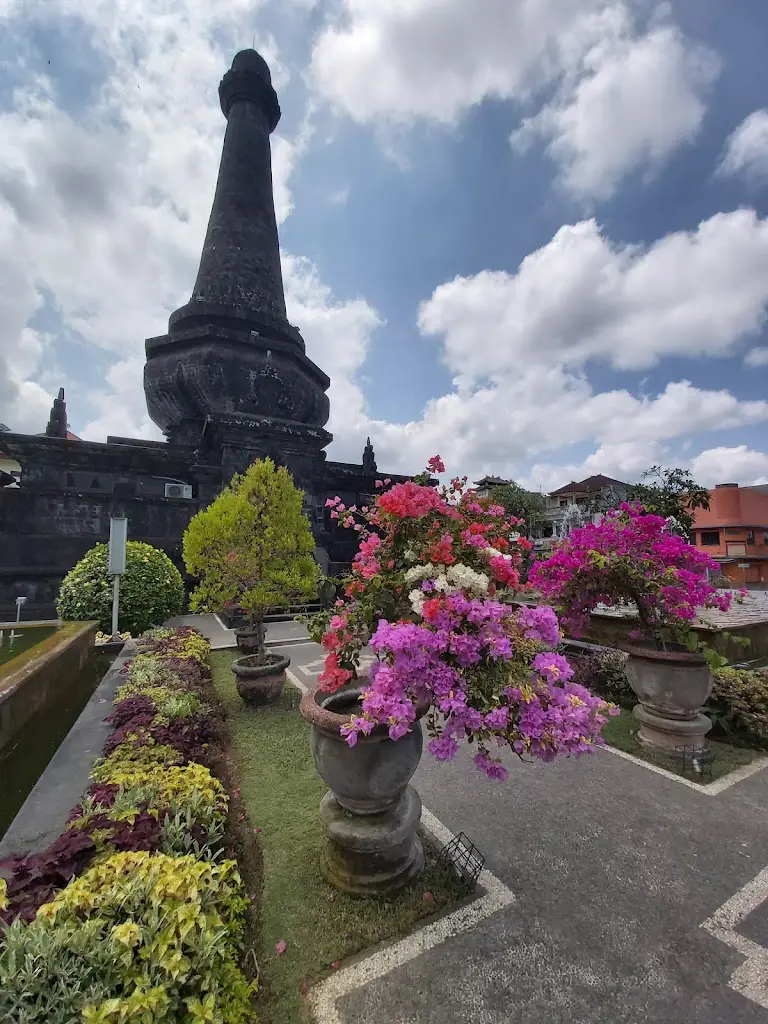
369,458
57,422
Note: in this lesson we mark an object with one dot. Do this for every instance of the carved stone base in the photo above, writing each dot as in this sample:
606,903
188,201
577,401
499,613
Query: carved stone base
662,734
373,853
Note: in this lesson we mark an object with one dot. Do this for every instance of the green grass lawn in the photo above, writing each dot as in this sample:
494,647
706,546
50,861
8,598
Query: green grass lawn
621,732
282,791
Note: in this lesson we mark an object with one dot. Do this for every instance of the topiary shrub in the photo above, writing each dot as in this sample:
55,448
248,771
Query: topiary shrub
253,545
151,589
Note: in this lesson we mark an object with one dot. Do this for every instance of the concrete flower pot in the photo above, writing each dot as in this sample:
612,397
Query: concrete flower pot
260,679
247,638
672,687
371,812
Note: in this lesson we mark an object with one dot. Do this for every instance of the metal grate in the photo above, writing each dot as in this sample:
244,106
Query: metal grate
290,698
695,761
462,857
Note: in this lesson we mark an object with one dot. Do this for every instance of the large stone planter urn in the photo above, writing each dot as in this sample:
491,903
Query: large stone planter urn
672,687
371,813
260,678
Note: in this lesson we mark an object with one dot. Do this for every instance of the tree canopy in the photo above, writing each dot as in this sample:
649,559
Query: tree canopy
527,505
670,492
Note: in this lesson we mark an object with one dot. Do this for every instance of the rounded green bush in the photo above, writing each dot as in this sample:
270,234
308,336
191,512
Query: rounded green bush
151,589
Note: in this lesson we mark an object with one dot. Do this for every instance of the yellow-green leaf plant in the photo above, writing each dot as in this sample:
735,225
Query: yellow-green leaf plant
253,546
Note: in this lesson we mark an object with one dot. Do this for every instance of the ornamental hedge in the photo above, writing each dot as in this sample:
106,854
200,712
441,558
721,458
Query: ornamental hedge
151,589
137,912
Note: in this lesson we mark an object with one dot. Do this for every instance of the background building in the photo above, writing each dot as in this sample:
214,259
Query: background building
734,531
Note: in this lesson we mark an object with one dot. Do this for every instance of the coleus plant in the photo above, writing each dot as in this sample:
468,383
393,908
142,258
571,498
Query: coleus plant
431,592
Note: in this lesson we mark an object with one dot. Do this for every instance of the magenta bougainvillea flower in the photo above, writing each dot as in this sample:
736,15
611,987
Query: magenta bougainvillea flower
431,592
630,558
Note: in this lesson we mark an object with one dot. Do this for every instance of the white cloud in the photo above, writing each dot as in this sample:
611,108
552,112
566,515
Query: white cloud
636,100
435,58
625,96
730,465
582,297
105,211
337,335
757,356
746,150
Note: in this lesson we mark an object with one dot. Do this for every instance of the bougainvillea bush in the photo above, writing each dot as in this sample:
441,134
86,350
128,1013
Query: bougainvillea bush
151,589
134,913
429,592
630,558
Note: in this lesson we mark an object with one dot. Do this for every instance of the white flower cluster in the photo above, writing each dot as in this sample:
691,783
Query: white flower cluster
464,578
446,580
417,573
490,553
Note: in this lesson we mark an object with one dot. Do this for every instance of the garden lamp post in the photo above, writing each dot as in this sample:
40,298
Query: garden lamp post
118,535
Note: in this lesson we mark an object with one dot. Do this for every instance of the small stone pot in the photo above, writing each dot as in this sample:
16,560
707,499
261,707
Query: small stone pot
260,679
371,813
247,638
672,687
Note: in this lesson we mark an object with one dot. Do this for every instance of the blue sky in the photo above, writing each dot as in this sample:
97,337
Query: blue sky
527,234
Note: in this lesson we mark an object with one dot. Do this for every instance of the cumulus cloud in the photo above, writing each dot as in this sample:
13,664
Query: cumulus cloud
625,96
746,150
583,297
757,356
103,209
436,58
738,464
637,99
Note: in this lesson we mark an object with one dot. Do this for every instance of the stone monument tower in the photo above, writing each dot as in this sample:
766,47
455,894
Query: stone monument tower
231,375
229,383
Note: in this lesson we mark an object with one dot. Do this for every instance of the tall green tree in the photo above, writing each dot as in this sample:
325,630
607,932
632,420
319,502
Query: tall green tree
253,546
527,505
671,492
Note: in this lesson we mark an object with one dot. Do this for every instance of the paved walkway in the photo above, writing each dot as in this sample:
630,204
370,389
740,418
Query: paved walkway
220,637
614,870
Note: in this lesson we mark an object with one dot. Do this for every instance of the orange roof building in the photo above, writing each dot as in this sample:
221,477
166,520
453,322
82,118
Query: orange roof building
734,531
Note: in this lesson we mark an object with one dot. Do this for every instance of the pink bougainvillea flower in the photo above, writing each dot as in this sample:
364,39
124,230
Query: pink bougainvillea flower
280,947
436,464
429,592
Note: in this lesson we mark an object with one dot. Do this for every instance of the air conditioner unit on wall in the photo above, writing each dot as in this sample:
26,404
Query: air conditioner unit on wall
178,490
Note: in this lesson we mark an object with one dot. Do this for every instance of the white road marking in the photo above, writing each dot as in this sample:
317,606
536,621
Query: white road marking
706,789
751,978
295,681
324,996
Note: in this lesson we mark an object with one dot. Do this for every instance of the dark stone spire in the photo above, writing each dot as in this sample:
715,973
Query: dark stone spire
240,264
369,458
230,351
57,421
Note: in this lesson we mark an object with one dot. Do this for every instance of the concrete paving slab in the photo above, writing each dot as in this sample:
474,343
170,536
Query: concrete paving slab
614,870
220,638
